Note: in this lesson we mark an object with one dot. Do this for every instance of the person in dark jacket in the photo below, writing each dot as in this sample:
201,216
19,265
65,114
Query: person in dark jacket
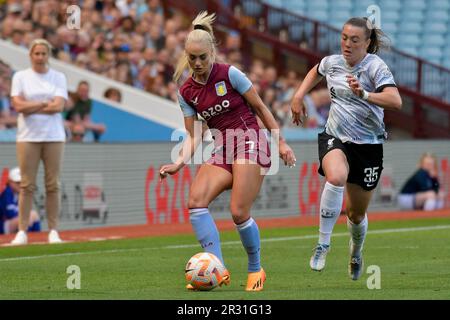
421,190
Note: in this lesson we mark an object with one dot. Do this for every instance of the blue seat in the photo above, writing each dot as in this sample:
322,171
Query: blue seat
412,50
411,15
390,27
274,3
317,5
339,15
321,15
408,40
251,8
274,19
439,4
294,6
341,5
435,27
389,4
432,87
446,63
446,51
295,32
288,4
405,71
431,54
416,4
437,15
410,27
433,40
390,16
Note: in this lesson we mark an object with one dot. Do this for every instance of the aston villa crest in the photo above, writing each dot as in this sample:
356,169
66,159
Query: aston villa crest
221,88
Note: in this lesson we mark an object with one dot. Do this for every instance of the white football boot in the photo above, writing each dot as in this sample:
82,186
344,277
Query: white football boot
317,262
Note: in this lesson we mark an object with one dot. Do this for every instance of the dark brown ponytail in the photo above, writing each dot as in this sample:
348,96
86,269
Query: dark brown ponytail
378,39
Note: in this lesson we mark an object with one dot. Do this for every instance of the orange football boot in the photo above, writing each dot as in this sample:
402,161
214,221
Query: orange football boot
255,280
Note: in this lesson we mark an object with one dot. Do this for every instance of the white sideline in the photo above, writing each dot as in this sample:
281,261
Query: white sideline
341,234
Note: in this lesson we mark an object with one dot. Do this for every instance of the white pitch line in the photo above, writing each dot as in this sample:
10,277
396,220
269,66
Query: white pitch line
225,243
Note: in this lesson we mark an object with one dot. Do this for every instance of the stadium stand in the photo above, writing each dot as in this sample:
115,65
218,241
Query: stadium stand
411,25
137,43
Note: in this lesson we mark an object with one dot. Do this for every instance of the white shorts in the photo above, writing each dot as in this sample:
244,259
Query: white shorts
406,201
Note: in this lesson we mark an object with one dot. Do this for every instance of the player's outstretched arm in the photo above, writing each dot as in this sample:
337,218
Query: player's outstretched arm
297,107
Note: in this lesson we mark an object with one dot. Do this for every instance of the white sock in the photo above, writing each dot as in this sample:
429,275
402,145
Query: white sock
439,204
330,209
429,205
358,233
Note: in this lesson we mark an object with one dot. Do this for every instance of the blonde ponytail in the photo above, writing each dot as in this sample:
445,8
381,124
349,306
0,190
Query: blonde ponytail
203,32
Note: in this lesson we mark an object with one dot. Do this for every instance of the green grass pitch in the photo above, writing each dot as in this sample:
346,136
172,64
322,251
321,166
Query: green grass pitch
413,256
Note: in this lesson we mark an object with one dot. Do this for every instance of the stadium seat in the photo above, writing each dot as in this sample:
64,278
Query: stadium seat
389,5
432,87
433,40
439,4
412,50
317,5
390,27
288,4
275,3
274,19
339,16
446,63
341,5
251,8
437,15
408,40
390,16
436,27
321,15
416,4
405,71
431,54
412,15
294,6
413,27
296,32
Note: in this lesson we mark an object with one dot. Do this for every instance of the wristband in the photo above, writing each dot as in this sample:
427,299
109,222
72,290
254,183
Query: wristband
365,95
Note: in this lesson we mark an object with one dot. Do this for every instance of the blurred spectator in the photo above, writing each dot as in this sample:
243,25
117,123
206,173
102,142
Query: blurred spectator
8,117
316,103
422,190
9,206
79,114
113,94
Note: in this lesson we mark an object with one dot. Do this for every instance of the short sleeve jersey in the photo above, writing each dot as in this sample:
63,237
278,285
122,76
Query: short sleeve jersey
219,101
352,119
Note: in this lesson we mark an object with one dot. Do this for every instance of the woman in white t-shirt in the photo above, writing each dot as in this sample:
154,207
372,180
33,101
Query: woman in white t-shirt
39,94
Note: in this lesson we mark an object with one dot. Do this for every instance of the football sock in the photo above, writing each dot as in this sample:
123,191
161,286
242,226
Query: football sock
330,209
206,231
358,233
249,233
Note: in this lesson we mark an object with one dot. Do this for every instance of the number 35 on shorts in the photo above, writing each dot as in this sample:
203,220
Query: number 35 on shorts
371,176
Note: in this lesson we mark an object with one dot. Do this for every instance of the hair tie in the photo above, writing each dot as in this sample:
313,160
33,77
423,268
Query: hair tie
199,26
